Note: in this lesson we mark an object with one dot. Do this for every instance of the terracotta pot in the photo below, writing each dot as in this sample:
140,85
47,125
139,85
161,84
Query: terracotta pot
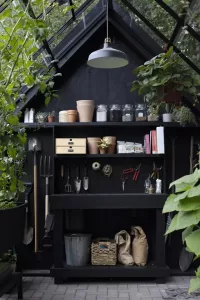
85,112
72,116
103,150
111,139
93,145
51,119
111,149
81,102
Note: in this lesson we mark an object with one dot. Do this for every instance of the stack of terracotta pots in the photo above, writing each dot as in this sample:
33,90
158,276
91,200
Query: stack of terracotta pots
85,110
112,144
68,116
93,147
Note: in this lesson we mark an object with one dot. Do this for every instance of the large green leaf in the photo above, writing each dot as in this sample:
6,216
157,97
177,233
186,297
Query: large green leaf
189,204
194,284
173,225
170,205
186,182
193,242
188,218
187,232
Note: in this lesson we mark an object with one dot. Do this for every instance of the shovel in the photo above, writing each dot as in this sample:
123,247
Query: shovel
77,181
28,231
34,145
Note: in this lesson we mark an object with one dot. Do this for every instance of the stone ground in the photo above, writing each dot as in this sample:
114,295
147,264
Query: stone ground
43,288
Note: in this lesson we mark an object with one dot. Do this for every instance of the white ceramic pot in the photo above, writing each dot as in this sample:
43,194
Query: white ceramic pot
167,117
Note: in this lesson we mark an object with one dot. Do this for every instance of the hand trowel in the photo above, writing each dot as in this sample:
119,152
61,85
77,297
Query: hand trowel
85,178
77,181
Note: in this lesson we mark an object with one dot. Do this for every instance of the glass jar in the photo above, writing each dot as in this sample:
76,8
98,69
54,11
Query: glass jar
115,113
127,113
101,114
140,112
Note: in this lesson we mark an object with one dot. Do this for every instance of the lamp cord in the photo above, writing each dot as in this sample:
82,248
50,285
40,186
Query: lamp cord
107,19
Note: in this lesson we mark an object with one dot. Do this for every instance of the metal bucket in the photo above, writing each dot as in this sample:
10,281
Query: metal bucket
77,249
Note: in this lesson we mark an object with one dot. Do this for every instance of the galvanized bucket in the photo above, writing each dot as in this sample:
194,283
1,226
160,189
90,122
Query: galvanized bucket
77,249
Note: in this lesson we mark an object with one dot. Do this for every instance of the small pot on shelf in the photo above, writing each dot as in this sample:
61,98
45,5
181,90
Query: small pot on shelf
103,150
92,143
72,116
152,118
167,117
51,117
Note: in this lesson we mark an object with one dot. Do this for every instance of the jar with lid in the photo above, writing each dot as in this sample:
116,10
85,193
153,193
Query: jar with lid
101,113
140,112
115,113
127,113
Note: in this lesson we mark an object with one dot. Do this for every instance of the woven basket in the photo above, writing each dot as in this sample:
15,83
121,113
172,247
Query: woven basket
104,252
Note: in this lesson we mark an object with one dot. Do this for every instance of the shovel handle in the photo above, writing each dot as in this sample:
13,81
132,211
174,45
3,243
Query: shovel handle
35,206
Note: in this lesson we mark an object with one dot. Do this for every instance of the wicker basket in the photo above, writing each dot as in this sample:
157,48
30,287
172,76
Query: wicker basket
104,252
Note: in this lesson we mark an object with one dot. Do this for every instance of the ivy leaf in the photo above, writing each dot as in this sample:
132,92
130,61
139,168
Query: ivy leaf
187,232
188,204
193,242
194,285
170,205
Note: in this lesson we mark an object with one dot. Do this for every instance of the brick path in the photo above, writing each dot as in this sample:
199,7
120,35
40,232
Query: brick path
43,288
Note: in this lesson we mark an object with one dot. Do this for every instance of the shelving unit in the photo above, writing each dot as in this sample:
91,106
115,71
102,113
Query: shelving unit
104,196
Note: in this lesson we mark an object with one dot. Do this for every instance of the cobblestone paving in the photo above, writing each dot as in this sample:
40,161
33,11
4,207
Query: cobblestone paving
43,288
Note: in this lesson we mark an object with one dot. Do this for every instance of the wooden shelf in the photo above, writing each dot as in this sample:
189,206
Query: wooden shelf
103,124
89,271
107,201
122,155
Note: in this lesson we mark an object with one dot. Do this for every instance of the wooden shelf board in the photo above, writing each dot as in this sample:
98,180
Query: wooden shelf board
107,201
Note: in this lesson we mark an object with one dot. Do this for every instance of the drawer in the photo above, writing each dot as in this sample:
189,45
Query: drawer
71,150
70,142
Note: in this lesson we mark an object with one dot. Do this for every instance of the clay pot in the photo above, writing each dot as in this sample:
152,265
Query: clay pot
93,145
111,139
103,150
51,119
111,149
84,102
72,116
86,112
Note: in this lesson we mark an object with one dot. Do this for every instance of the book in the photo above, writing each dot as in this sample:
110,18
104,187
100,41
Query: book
147,143
160,140
154,142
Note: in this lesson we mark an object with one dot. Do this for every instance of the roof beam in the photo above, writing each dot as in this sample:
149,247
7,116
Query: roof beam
162,36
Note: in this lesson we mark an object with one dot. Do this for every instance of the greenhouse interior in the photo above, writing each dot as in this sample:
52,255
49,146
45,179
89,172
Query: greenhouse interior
100,198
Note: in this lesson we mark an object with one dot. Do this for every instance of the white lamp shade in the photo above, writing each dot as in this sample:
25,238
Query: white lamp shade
107,58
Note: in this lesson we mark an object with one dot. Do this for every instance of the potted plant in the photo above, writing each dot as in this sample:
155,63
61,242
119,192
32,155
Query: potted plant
167,116
165,78
41,117
186,206
184,116
153,112
103,146
51,116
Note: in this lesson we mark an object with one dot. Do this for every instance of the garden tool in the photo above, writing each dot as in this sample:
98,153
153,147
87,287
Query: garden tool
68,187
85,178
136,173
28,231
77,181
156,172
124,178
45,172
186,257
35,146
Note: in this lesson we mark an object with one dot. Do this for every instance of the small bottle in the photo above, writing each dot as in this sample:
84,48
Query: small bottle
26,116
32,115
158,186
101,115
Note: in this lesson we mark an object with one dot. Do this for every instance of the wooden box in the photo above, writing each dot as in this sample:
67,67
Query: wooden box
70,146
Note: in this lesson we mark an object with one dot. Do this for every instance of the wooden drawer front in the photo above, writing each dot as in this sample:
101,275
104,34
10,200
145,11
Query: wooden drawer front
70,142
70,150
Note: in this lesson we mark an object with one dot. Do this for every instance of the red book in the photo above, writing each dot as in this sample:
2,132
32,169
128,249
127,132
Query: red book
147,144
154,142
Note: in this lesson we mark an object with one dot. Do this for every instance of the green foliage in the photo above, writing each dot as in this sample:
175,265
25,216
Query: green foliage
21,36
186,204
164,73
184,115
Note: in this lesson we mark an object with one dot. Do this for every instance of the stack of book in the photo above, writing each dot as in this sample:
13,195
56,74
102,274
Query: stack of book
154,142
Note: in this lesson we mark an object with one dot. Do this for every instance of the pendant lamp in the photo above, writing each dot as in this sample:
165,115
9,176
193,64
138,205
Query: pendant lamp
108,57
